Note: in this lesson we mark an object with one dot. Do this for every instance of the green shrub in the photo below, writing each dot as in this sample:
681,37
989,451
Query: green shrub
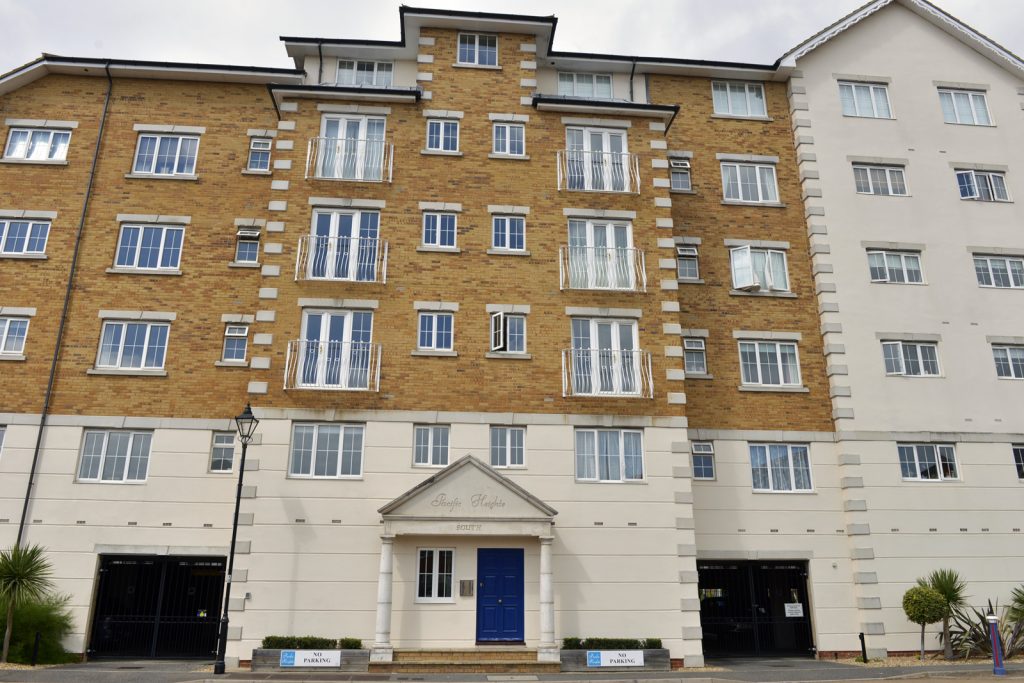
611,643
298,643
350,644
51,618
924,605
969,635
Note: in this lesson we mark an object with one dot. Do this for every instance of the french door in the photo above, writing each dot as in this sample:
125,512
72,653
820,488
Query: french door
353,148
597,159
345,246
601,255
606,359
336,349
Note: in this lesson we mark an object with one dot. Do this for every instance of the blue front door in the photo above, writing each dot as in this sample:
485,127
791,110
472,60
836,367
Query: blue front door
499,602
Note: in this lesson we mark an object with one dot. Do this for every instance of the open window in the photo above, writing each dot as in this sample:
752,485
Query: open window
755,270
679,172
508,333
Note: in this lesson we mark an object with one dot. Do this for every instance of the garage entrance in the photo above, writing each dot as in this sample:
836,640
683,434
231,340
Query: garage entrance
754,608
152,606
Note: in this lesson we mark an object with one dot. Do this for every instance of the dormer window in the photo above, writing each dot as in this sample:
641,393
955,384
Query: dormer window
572,84
364,72
478,49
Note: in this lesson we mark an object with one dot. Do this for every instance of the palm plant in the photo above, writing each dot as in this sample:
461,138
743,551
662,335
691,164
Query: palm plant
24,576
1016,611
953,589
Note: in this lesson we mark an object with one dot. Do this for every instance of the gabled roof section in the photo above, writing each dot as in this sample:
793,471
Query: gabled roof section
128,68
927,11
437,481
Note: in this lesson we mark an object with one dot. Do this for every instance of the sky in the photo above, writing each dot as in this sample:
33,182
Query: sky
247,31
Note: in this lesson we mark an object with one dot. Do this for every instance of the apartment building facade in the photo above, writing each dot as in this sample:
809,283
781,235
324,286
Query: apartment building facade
539,342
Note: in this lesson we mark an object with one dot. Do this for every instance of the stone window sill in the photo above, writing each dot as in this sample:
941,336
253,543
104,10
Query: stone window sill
734,117
698,375
427,249
488,67
766,205
778,389
507,252
512,157
671,191
231,364
26,257
154,176
126,373
242,264
431,352
36,162
776,295
440,153
141,271
508,356
12,356
248,171
690,281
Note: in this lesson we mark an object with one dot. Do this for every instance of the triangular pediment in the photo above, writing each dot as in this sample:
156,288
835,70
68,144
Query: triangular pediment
468,489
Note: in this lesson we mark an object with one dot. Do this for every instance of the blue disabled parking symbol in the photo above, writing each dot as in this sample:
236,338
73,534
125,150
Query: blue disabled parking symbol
593,658
287,658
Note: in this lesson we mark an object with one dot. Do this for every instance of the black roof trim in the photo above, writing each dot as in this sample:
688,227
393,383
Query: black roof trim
169,65
398,92
610,104
662,60
464,14
342,41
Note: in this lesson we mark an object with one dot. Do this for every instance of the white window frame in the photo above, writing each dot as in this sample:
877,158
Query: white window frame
503,434
602,170
502,226
233,331
595,465
103,455
505,149
353,360
442,125
34,231
222,441
159,137
777,355
916,449
749,90
501,332
438,217
898,351
124,324
1015,366
695,346
437,454
759,170
741,262
974,97
972,181
703,449
1017,449
51,153
680,168
258,147
894,177
873,92
6,338
435,576
687,253
344,429
165,231
790,469
359,266
1014,270
354,71
575,78
247,236
434,343
893,273
476,49
615,365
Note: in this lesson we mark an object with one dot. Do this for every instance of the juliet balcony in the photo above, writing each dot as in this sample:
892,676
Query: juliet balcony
332,365
607,372
620,269
588,171
352,159
342,259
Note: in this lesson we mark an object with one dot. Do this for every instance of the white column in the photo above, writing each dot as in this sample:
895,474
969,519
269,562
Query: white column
382,650
547,651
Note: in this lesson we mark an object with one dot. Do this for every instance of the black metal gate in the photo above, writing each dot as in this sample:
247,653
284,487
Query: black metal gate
755,608
149,606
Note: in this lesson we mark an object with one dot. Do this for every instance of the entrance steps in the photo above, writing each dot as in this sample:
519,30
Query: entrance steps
472,660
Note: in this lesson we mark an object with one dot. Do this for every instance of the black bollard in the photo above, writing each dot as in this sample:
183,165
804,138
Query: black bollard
35,648
863,649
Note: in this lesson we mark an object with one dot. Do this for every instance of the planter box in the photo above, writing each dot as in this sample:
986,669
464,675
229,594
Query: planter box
270,660
576,660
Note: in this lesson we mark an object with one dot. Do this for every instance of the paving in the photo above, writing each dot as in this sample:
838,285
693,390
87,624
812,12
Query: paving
720,670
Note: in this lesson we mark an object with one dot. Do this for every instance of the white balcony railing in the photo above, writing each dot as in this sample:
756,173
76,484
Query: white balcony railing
349,159
607,372
352,259
613,268
333,366
584,171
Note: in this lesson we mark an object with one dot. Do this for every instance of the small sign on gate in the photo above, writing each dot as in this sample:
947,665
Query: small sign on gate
794,609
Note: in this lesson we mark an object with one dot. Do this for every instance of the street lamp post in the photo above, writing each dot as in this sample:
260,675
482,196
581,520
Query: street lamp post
246,423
